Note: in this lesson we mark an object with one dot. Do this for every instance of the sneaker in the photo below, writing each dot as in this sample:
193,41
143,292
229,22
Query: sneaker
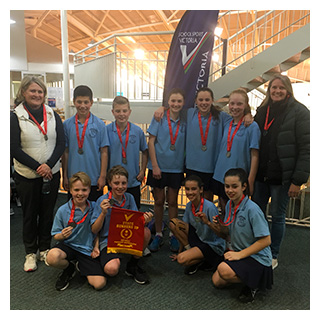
174,244
156,244
146,252
137,273
274,263
30,263
64,278
247,294
43,255
189,270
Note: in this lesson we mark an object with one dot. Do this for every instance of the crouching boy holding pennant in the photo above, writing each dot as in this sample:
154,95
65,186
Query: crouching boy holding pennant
121,227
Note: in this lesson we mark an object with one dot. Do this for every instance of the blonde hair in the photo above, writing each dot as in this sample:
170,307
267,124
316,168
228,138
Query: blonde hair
246,99
25,83
120,100
286,83
80,176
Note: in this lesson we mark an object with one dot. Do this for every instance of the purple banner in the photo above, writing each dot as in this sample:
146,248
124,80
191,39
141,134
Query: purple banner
190,53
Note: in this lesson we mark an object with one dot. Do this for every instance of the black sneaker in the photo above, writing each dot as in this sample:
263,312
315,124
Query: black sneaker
247,294
64,278
137,273
189,270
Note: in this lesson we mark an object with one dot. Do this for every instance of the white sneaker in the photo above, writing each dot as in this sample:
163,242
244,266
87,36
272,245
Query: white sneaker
30,263
43,256
274,263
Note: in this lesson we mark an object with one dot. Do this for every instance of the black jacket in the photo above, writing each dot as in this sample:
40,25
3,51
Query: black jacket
285,150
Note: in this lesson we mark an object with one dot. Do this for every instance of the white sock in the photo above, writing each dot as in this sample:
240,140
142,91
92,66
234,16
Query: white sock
187,247
159,234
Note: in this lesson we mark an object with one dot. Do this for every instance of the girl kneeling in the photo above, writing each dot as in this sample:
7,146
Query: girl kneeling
194,235
249,261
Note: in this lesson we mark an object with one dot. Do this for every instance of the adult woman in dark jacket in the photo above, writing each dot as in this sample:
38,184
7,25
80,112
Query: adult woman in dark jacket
284,154
37,143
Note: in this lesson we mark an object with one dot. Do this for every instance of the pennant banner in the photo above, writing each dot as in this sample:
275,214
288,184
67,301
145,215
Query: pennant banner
126,232
190,53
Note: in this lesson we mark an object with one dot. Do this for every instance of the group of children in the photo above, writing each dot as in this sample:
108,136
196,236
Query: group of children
216,142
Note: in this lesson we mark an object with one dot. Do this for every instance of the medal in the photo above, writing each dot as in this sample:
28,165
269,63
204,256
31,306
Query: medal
172,139
113,202
124,149
205,136
80,141
230,141
71,222
193,209
45,122
265,132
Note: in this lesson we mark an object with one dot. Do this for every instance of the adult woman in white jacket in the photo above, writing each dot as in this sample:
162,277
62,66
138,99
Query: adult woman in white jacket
37,143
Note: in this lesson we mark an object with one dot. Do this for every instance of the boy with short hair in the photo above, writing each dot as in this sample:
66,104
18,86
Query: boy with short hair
126,141
72,228
86,144
118,180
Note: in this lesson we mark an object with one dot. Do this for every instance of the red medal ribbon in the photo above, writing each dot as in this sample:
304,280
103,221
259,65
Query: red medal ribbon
122,203
229,142
72,214
200,209
172,139
204,138
230,211
124,153
80,142
266,124
45,122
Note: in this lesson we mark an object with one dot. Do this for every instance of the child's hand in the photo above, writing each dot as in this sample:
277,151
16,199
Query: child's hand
156,172
173,257
203,217
147,216
95,253
105,205
66,232
232,255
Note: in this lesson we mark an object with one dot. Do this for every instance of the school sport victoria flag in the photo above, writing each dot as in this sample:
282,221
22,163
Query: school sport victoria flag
190,53
126,232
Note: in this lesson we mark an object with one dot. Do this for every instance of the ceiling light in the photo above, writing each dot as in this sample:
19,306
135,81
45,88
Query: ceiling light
12,21
139,54
91,43
218,31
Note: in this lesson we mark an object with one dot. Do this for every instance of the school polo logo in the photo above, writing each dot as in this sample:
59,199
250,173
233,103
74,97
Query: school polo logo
199,38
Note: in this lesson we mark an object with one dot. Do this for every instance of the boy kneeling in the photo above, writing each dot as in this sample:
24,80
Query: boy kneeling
72,228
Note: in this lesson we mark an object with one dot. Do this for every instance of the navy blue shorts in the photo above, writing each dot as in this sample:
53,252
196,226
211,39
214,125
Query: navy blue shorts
209,254
106,257
172,180
204,176
218,189
87,265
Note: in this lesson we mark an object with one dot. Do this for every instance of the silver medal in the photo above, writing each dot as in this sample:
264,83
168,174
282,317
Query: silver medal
172,147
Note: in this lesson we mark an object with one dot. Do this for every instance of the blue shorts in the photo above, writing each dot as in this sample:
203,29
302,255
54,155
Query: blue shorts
87,265
171,180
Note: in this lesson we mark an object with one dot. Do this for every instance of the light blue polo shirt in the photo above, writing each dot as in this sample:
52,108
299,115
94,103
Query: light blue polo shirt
104,232
95,138
171,161
203,231
249,225
136,143
245,139
196,158
81,238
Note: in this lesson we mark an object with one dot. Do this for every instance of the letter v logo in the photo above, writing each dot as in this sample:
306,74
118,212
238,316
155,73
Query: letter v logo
128,216
188,59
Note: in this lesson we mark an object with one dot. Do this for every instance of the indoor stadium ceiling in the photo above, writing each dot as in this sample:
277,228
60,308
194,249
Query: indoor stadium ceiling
89,26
